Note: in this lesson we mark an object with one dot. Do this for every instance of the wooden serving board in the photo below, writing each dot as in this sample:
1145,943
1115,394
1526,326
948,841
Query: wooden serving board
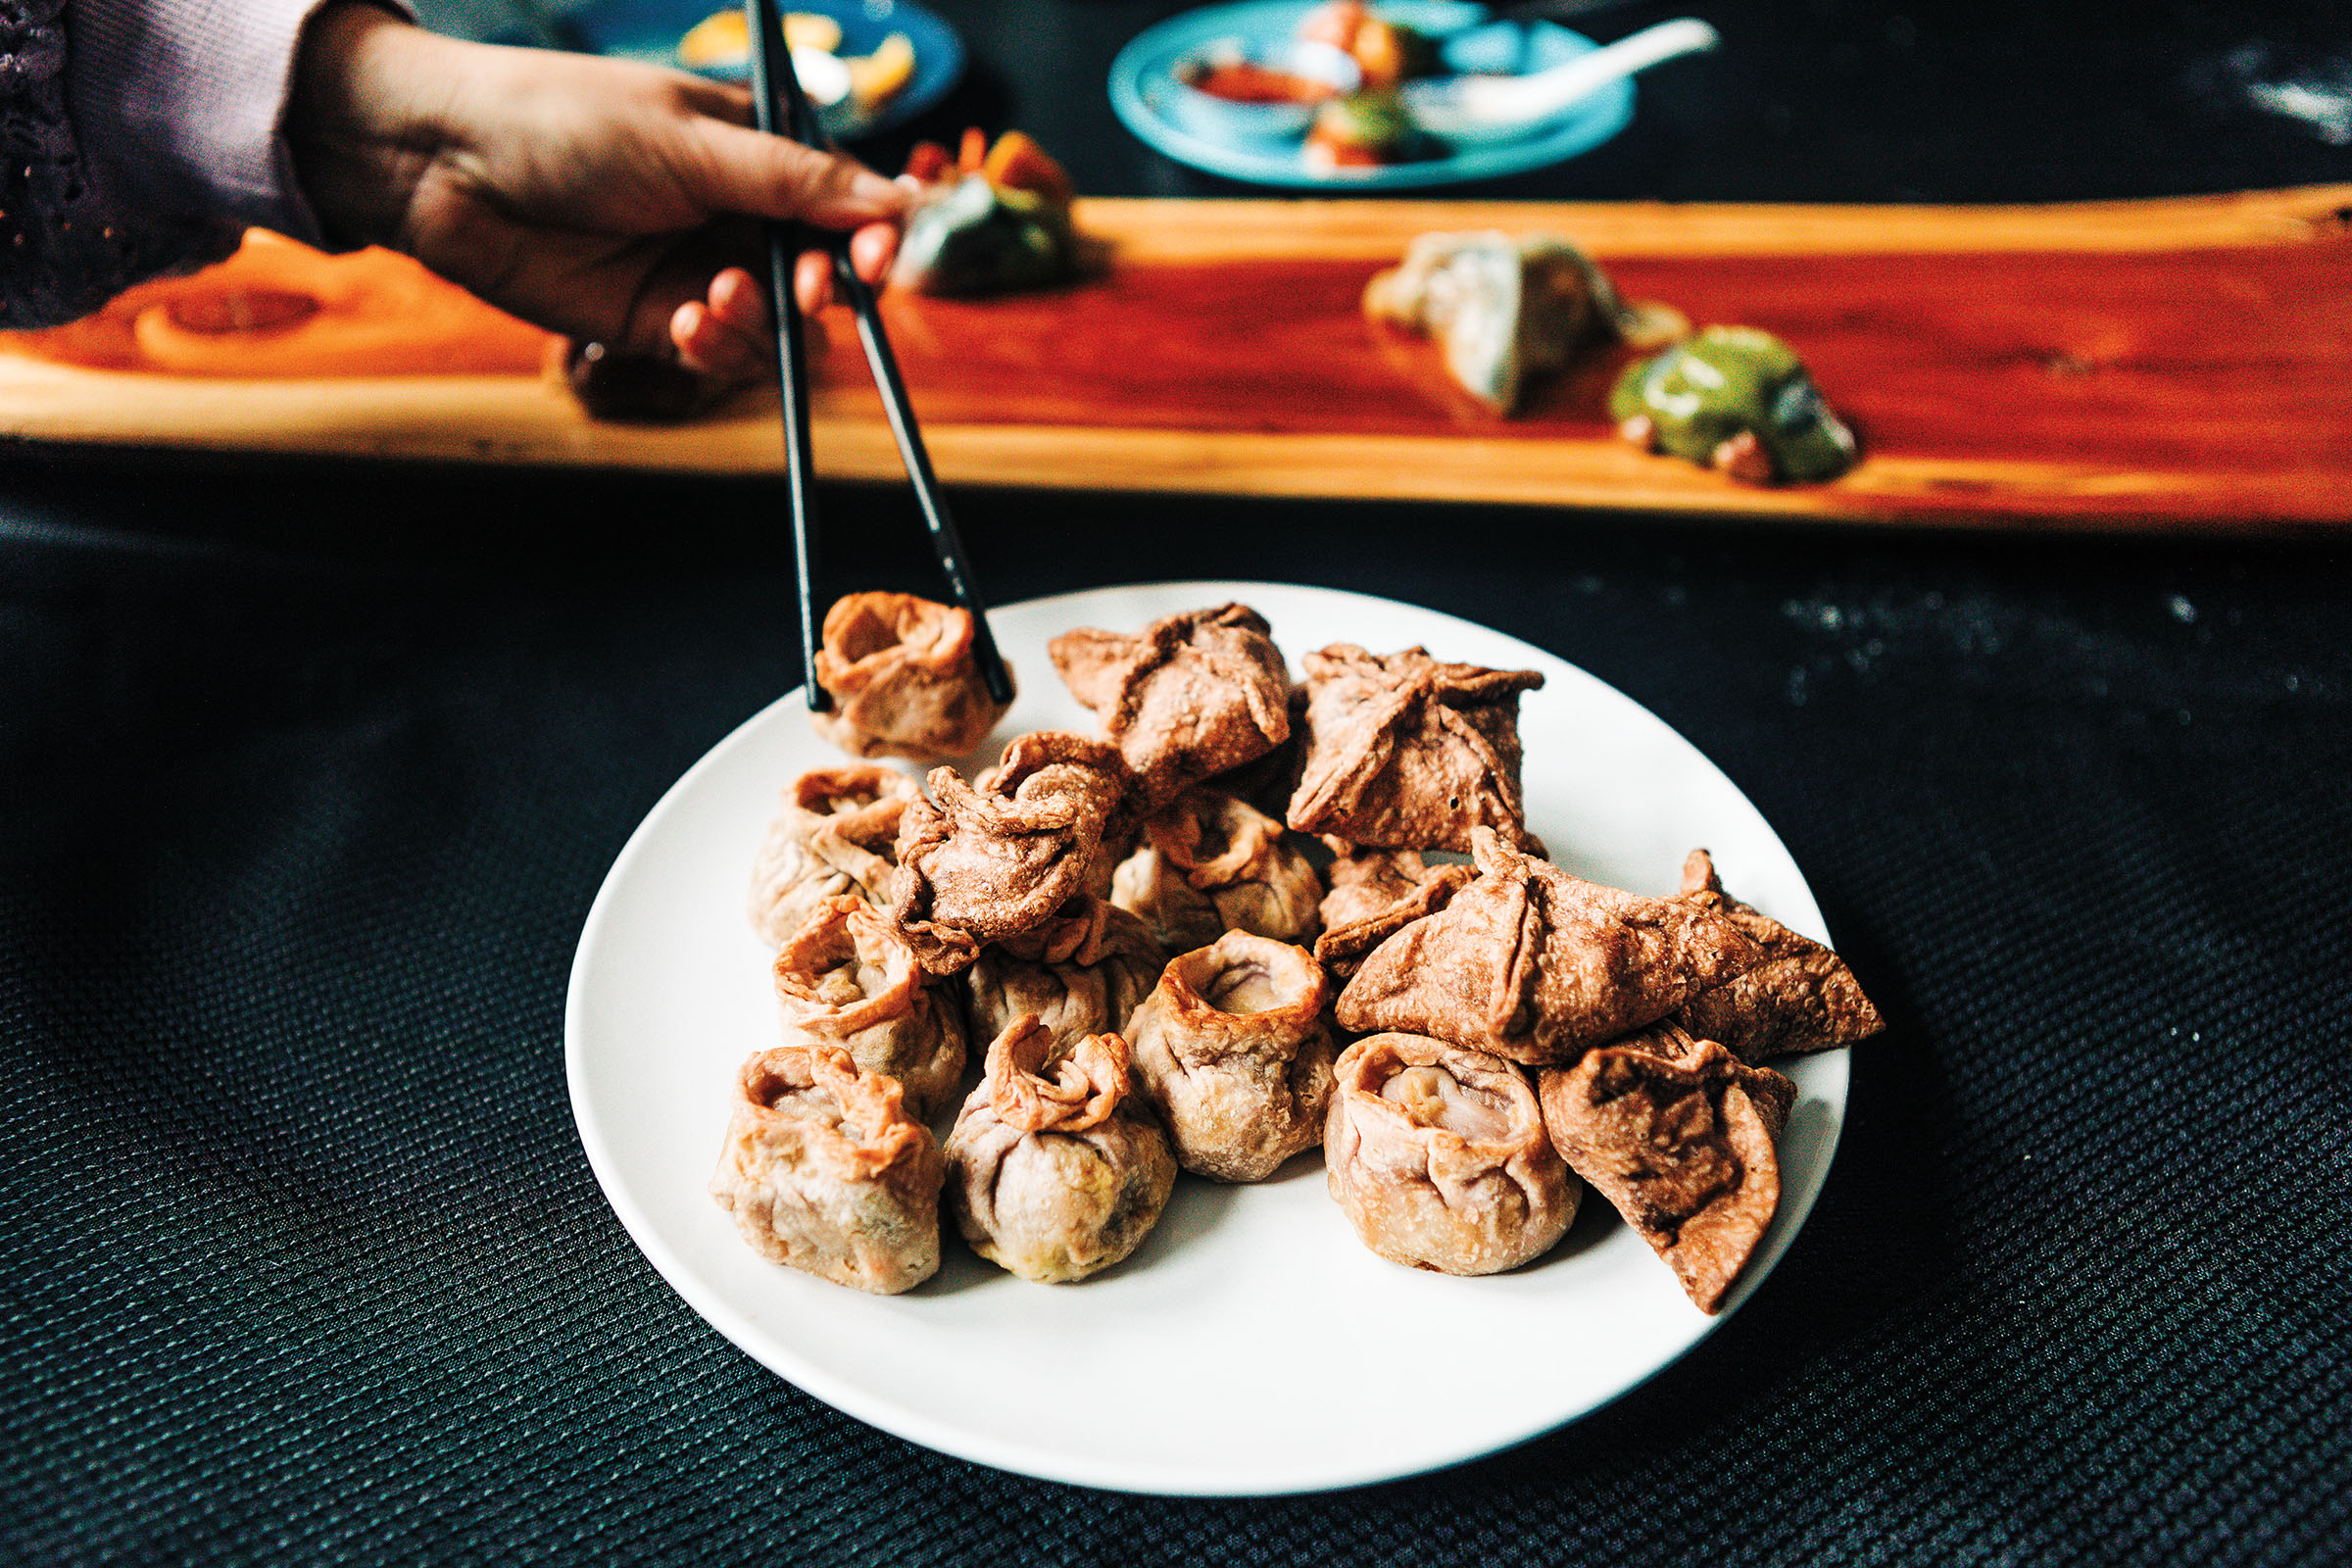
2168,364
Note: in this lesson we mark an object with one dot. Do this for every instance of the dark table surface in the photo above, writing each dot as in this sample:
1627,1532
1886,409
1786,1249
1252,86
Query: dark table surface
311,772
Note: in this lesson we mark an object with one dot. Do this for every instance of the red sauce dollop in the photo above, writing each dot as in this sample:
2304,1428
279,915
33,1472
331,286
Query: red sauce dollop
1239,81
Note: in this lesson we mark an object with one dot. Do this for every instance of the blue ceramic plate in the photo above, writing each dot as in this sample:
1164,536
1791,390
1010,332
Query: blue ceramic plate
1143,91
650,30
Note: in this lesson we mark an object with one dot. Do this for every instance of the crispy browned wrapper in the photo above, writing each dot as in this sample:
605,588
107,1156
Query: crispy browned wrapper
825,1171
1189,696
1801,998
1677,1134
1536,965
987,862
1405,751
904,679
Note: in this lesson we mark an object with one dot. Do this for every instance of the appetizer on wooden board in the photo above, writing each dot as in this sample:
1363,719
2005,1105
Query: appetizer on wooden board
1225,351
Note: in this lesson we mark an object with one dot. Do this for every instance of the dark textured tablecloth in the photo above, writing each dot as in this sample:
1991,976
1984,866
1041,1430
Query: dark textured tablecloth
312,776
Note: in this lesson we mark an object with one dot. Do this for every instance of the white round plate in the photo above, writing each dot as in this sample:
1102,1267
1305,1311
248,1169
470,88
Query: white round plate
1252,1346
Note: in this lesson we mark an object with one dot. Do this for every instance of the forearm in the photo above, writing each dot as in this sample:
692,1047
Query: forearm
371,110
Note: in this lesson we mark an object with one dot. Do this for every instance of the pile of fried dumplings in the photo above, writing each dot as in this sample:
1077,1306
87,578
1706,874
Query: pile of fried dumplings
1251,917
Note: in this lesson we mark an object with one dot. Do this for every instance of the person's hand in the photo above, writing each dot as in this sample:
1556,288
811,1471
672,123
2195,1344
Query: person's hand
599,197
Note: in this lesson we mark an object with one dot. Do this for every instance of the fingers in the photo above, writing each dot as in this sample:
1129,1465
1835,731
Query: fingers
743,171
725,333
812,280
720,100
872,249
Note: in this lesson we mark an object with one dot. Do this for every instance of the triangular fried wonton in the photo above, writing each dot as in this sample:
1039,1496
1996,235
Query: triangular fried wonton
1532,963
1683,1148
1189,697
1404,751
1801,998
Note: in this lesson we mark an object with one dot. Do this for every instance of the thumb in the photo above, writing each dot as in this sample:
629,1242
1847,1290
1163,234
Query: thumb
747,171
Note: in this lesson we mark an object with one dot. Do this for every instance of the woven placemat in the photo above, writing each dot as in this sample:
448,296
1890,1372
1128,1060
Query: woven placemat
310,785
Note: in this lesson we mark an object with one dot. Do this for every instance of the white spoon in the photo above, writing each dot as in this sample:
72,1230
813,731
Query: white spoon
1474,108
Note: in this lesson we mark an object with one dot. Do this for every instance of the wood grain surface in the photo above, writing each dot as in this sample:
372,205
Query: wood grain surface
2173,363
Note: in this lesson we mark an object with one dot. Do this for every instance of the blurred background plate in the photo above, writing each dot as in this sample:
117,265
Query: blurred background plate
1143,88
650,30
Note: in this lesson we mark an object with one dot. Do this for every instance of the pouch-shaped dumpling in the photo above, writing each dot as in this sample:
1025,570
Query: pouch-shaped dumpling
1439,1158
1091,989
1679,1135
1189,696
1212,863
1403,751
847,977
825,1171
1057,1170
904,679
981,862
1233,1049
1532,963
836,836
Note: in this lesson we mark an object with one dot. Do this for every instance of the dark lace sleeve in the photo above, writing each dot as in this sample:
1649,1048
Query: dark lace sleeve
66,247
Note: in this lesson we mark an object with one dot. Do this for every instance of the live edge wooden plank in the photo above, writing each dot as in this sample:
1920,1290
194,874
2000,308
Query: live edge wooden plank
2175,363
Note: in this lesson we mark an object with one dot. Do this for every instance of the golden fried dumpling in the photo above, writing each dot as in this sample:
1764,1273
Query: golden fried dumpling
904,679
846,977
1376,894
1212,863
1801,997
825,1171
1437,1156
1057,1170
980,863
836,836
1087,987
1403,751
1534,964
1233,1049
1189,696
1679,1135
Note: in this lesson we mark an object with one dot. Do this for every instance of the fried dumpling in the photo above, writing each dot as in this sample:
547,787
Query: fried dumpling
1267,782
1403,751
825,1171
1801,998
1535,964
1376,894
1189,696
1056,1177
982,863
1503,309
837,836
846,977
904,679
1233,1049
1679,1135
1212,863
1092,988
1439,1158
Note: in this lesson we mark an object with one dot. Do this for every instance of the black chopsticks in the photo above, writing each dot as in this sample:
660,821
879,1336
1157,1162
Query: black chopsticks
783,109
